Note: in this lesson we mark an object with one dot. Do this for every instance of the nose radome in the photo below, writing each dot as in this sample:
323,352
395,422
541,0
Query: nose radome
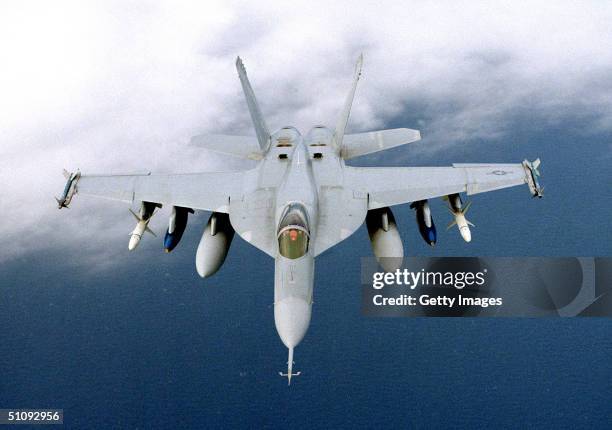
292,318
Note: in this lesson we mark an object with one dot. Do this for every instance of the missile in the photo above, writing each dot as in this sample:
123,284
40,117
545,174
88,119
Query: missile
454,203
137,233
69,190
427,228
531,168
146,212
176,227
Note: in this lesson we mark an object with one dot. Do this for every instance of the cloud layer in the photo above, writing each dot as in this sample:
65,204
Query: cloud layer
116,87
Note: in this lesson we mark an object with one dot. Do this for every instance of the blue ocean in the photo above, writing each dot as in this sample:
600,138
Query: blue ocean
146,343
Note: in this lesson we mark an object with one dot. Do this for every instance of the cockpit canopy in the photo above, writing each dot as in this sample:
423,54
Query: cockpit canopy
293,232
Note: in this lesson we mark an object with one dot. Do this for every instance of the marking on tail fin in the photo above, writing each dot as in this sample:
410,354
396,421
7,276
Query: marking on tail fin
261,129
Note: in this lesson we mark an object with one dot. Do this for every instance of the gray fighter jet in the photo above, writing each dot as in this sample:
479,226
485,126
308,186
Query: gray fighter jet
301,199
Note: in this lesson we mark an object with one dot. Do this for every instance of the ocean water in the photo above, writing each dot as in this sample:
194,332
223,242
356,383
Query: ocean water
146,343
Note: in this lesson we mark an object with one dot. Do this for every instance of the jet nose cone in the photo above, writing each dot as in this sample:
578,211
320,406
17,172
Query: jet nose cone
292,318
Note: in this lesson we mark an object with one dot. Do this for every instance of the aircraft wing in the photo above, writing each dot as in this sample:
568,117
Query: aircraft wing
388,186
209,191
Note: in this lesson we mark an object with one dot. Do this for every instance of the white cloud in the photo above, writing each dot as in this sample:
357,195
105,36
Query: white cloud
120,86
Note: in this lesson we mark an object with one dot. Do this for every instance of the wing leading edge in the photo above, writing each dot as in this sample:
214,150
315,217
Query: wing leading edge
209,191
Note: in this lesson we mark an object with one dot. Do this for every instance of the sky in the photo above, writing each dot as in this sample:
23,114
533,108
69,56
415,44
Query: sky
120,87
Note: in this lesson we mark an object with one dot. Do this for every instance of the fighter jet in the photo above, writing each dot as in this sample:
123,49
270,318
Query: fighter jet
300,199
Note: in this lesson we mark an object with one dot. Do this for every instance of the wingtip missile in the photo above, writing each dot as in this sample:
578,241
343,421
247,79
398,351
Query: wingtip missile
70,188
532,177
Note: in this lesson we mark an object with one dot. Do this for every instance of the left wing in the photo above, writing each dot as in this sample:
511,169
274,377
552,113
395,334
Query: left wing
388,186
209,191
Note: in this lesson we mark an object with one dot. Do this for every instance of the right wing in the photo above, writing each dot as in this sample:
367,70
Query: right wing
209,191
388,186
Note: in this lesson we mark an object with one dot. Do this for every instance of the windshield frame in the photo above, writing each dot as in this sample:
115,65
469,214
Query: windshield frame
295,217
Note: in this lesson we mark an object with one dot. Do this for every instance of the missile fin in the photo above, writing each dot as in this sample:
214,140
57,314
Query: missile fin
135,216
385,221
540,194
536,163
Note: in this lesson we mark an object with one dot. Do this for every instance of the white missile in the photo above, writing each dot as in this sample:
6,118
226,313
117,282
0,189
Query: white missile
136,235
459,214
462,225
141,226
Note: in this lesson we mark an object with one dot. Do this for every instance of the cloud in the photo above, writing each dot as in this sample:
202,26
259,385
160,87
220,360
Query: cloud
121,86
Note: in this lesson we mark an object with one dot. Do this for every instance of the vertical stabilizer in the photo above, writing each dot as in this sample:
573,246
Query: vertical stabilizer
346,111
263,134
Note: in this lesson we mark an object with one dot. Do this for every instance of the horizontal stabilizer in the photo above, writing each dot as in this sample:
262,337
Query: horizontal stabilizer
359,144
245,147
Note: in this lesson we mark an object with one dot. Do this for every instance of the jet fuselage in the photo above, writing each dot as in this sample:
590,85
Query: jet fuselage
296,218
